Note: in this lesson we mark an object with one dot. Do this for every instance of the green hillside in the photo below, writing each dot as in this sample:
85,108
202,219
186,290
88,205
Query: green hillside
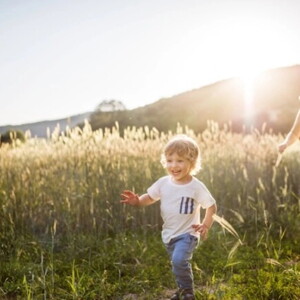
275,102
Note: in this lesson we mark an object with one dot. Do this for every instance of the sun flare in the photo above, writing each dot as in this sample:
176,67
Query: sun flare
248,81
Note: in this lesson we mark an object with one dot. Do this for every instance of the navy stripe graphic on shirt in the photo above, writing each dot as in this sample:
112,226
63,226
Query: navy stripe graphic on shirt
192,205
186,205
181,205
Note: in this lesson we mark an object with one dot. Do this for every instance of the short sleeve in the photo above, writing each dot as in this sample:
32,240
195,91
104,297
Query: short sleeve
154,190
205,197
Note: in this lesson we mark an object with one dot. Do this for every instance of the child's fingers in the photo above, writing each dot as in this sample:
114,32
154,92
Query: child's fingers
202,229
126,192
125,198
197,227
281,148
128,197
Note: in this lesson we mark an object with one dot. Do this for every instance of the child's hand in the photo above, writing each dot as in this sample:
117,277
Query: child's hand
202,229
129,197
282,147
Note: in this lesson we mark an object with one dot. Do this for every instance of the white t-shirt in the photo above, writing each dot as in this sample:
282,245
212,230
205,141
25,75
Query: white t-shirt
180,205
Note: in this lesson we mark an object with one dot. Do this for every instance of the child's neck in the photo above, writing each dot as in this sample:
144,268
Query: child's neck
187,179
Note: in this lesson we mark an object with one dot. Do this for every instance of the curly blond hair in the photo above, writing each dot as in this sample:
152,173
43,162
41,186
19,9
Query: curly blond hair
186,147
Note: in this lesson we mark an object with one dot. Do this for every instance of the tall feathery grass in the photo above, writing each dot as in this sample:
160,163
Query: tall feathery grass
74,179
68,186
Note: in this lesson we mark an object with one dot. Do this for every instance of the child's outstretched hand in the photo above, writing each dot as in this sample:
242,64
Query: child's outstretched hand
129,197
282,146
202,229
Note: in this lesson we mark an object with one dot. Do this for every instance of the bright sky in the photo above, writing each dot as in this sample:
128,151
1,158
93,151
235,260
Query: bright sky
63,57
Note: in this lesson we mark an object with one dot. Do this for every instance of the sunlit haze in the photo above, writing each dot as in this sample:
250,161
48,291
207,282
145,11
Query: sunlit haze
60,58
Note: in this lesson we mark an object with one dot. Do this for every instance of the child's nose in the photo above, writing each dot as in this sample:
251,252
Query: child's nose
174,164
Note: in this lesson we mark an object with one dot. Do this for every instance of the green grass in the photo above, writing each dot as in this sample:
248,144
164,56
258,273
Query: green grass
137,264
64,234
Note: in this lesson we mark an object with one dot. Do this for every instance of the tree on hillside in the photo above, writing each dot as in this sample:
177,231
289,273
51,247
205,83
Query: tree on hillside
11,135
110,105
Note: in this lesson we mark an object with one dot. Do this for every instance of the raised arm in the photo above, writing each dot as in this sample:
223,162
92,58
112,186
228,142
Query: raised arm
292,136
129,197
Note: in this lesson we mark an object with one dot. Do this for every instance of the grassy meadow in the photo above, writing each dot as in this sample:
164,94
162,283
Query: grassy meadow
64,234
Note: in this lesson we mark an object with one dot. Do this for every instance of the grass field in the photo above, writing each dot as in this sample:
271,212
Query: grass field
64,234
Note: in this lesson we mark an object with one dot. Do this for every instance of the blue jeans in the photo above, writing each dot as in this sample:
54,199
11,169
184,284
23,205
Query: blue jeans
180,250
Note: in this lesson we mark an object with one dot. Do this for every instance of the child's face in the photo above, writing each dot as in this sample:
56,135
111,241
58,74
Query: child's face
179,168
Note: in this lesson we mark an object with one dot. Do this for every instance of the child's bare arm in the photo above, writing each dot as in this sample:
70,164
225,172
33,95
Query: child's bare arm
207,221
208,218
129,197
